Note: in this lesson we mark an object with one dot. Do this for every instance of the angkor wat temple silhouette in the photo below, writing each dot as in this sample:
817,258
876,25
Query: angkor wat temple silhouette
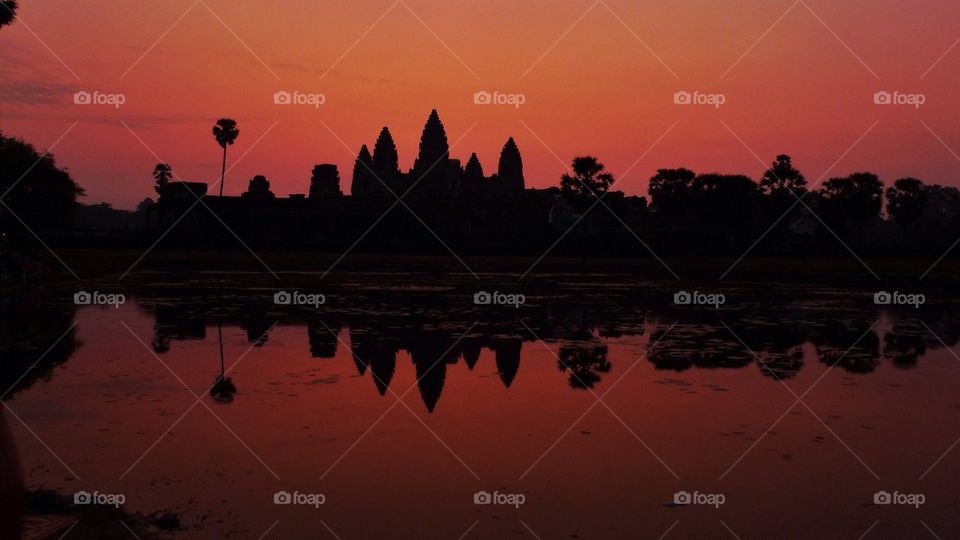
437,199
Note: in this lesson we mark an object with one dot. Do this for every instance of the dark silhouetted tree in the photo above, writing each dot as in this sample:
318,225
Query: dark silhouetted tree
723,201
905,202
783,176
670,192
226,133
162,173
855,199
589,182
145,205
8,12
34,188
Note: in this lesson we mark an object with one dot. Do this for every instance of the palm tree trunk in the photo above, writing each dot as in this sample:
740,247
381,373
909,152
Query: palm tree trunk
220,335
223,169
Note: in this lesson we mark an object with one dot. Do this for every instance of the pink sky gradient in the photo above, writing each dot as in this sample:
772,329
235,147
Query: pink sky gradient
805,88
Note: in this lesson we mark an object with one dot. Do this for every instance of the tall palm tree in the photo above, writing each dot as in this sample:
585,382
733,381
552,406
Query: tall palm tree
226,132
8,11
162,173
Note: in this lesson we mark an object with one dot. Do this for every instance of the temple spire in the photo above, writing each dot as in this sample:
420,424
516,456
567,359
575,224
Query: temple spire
473,170
434,149
510,168
385,157
361,184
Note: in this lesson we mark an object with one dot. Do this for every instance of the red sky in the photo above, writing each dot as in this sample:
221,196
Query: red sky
797,77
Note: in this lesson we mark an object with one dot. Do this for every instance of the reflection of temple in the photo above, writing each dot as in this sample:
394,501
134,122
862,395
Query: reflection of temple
581,326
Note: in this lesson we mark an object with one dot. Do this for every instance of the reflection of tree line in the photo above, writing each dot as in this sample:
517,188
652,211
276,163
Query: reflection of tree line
581,329
35,338
850,344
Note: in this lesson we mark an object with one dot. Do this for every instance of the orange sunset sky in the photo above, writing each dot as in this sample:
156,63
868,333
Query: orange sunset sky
598,77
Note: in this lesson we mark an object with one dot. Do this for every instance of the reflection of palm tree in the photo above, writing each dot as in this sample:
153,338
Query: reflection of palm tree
223,389
8,11
226,132
585,364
